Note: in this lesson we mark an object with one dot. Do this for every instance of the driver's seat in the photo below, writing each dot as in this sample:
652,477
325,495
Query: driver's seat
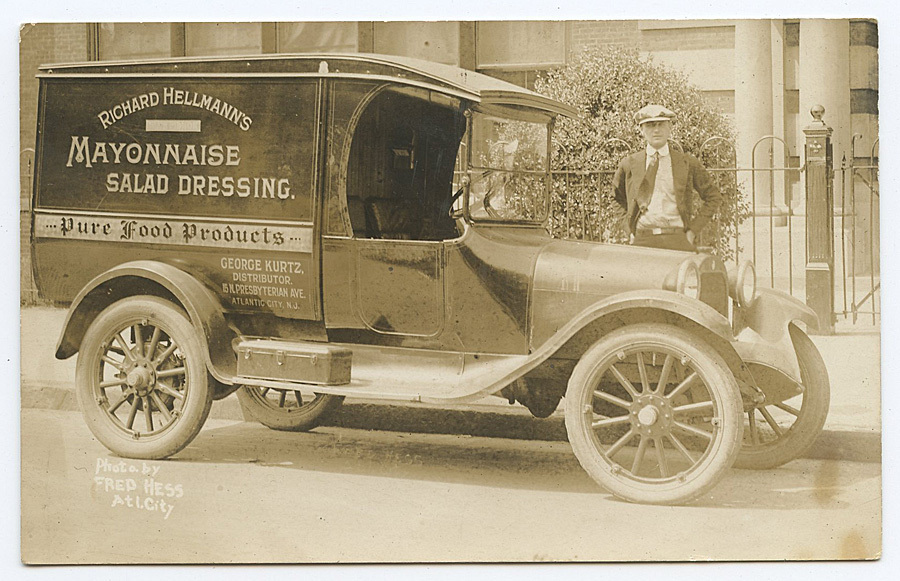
394,218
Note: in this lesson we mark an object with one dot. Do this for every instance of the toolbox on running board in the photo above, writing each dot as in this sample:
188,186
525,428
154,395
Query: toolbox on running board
291,361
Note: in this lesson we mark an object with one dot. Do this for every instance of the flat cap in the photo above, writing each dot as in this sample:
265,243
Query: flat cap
653,113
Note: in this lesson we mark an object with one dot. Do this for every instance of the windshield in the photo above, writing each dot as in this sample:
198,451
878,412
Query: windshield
507,169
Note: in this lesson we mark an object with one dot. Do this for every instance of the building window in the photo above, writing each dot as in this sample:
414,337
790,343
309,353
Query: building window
130,40
432,41
234,38
317,36
523,45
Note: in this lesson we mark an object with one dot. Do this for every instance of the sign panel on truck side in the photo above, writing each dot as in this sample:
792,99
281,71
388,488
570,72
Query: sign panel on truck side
216,173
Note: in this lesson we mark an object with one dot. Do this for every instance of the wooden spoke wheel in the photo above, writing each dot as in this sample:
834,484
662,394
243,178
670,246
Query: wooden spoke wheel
654,414
290,410
141,378
778,432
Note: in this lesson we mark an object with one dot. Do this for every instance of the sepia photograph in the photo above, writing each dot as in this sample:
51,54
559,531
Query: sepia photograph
450,291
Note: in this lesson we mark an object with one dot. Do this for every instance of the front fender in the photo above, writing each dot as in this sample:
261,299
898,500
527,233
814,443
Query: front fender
150,277
658,300
772,310
763,337
570,340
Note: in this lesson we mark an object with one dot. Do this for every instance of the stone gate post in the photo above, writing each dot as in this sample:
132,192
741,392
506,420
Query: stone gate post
819,223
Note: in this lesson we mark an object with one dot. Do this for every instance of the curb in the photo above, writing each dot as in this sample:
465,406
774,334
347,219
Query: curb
472,420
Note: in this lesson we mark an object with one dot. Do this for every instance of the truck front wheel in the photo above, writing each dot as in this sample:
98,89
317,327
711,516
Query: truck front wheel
141,378
653,414
781,431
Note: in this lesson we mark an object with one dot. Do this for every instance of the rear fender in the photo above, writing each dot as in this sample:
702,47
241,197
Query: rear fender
146,277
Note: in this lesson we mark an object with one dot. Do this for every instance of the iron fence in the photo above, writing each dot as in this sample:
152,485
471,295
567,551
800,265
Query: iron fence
858,223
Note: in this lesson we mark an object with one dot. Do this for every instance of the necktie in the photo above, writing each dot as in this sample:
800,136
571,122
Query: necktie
646,190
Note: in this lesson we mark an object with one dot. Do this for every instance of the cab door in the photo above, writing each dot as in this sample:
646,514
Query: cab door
399,286
379,276
385,287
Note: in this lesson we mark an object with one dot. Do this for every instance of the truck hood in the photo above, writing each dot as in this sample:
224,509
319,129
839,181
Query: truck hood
602,270
571,276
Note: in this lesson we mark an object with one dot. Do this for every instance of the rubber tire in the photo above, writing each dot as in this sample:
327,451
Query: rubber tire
808,426
719,380
199,394
300,419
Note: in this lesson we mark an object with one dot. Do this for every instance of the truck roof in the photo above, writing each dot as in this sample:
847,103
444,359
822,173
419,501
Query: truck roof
444,78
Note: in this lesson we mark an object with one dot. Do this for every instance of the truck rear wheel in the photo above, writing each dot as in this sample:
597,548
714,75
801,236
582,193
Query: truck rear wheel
653,414
287,410
141,378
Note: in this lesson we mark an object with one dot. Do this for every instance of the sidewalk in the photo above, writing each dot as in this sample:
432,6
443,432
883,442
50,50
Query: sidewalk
852,430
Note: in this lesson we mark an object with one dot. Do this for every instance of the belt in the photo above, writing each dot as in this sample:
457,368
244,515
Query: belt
657,231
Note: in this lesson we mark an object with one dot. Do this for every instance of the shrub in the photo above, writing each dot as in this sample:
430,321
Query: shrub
607,86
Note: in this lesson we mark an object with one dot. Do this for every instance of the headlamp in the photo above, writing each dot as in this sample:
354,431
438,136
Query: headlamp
688,281
742,283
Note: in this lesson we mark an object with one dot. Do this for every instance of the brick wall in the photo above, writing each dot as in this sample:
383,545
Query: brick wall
38,44
641,34
687,38
589,34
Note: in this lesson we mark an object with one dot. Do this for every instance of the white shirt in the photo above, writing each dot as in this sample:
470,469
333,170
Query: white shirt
662,212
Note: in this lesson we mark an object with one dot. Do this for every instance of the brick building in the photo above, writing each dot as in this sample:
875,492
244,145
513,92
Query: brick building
766,74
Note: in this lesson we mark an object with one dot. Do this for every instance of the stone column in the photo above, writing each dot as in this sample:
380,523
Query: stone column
753,107
467,58
825,76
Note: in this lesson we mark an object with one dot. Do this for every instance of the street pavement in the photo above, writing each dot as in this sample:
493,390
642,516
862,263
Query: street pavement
852,430
241,493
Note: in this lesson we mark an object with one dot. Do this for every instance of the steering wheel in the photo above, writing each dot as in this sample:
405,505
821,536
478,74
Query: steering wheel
449,205
487,205
491,211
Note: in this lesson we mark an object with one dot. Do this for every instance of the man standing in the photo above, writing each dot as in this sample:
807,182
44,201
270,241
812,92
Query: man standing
654,187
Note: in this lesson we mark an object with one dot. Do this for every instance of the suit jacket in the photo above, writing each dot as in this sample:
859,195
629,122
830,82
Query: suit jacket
687,174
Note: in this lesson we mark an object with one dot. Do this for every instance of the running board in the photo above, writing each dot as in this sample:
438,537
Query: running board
356,388
413,375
